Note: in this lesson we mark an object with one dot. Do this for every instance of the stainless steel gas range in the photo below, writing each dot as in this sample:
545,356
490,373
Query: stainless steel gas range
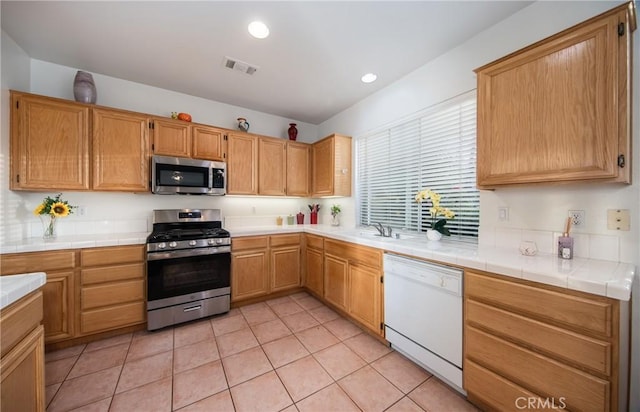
188,266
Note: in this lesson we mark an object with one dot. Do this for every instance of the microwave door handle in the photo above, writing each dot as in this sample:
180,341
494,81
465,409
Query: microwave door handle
210,184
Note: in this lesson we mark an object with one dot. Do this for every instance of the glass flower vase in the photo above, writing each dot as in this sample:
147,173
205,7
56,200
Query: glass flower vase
335,220
48,227
434,235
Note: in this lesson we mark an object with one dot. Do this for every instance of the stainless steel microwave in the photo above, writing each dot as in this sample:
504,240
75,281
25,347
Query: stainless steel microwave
179,175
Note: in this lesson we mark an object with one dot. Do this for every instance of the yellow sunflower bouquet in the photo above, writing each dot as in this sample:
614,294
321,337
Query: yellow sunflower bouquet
50,210
436,210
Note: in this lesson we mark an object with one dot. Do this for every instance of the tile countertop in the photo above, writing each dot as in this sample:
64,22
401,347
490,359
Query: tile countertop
599,277
14,287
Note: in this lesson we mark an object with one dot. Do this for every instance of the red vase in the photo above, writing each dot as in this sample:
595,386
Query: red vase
293,132
314,218
300,218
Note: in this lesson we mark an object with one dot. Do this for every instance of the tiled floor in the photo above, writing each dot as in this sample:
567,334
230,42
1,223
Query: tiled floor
287,354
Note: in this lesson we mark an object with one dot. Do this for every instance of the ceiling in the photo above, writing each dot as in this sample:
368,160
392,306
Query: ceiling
309,67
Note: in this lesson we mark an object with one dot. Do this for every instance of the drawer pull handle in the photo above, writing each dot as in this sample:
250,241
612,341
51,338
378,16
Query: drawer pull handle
192,308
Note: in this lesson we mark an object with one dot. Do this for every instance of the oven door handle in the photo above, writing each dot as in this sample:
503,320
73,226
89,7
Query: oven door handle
171,254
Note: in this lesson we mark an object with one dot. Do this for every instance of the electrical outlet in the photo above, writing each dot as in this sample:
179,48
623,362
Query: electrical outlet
577,217
82,210
503,214
618,219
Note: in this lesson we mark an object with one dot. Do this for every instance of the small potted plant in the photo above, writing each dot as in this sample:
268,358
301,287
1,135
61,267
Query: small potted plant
335,212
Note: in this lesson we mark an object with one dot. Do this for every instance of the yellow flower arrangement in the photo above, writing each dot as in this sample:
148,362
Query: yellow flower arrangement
436,210
52,208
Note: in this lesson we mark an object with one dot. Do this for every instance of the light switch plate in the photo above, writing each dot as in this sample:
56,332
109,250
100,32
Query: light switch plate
618,219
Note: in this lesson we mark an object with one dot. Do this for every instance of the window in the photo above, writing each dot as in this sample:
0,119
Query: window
433,149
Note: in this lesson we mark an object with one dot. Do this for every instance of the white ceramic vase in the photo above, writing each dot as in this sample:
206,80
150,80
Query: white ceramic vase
433,235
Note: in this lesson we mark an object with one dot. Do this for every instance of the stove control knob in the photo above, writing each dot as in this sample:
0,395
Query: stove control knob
192,243
162,245
173,244
211,241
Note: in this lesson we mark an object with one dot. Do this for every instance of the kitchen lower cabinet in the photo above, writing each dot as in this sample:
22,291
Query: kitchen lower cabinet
113,288
365,295
249,267
22,364
285,252
336,283
314,264
524,339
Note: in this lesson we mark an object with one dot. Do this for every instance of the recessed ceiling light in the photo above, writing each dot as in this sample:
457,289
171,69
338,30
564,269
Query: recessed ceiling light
258,29
369,78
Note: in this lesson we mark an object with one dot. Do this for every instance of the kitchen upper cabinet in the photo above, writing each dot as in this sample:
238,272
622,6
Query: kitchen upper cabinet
272,166
298,169
331,163
314,264
208,142
120,151
242,164
49,143
171,137
560,109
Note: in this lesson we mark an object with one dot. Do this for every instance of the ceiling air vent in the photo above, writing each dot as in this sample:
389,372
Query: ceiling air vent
239,65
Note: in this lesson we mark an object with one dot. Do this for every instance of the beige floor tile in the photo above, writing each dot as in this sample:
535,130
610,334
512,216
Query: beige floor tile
150,343
142,371
299,295
406,405
220,402
105,343
342,328
400,371
259,315
236,342
192,333
98,360
248,308
287,308
316,338
86,389
303,377
278,301
229,324
264,393
196,354
290,408
369,390
300,321
368,348
198,383
73,351
152,397
309,302
285,350
331,398
323,314
99,406
56,371
246,365
339,360
433,395
49,392
271,330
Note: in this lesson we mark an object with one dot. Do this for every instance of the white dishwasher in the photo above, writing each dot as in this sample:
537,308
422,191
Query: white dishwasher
423,314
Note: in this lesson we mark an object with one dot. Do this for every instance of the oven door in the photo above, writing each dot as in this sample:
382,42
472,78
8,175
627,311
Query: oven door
188,273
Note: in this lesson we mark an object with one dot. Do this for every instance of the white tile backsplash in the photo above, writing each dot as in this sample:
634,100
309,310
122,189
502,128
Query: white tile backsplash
604,247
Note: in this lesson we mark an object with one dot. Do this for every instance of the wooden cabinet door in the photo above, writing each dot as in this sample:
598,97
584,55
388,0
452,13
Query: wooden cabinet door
323,167
558,110
249,274
335,281
272,166
298,169
242,162
49,144
120,151
285,268
171,137
365,295
58,301
207,143
314,274
22,384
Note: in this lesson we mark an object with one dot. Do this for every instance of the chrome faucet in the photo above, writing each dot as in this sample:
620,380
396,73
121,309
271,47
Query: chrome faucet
383,231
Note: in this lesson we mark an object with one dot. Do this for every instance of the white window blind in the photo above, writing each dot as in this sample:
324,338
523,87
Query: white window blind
433,149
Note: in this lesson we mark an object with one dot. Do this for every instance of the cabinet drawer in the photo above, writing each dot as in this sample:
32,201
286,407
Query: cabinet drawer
112,255
538,373
282,240
112,317
353,253
37,262
112,293
581,350
582,314
113,273
18,319
314,242
246,243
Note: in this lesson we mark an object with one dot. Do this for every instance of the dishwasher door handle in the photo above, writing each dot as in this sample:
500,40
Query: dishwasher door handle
444,283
